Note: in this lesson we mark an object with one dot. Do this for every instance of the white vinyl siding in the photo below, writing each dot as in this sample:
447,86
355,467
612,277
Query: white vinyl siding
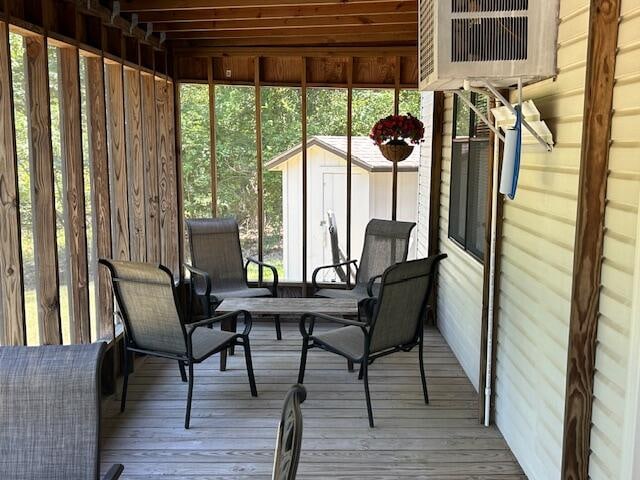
424,176
460,278
537,264
623,189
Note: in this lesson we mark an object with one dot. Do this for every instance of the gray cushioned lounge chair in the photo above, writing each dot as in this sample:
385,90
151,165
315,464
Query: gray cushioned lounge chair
50,413
217,271
385,242
289,441
154,325
393,322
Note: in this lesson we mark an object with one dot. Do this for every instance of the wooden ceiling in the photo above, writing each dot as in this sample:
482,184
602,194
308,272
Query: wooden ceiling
200,24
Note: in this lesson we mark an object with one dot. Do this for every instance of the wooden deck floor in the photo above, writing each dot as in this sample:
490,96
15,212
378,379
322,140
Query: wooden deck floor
232,435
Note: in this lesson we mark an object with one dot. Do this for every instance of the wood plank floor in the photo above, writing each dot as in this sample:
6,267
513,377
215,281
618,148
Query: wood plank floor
232,435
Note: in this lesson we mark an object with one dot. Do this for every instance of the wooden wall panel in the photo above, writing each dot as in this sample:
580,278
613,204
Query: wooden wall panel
12,318
193,68
97,122
41,166
233,69
280,69
150,156
173,233
117,160
329,70
75,228
135,164
374,70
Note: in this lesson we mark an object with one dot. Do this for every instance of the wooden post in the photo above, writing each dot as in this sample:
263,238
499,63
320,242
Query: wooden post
396,111
587,260
349,160
41,167
75,231
97,122
258,113
12,317
212,134
303,114
135,164
173,199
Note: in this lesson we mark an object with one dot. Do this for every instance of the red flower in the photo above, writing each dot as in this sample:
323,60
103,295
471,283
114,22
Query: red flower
396,127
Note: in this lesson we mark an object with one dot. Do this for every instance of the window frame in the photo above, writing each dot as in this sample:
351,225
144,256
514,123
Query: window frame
472,138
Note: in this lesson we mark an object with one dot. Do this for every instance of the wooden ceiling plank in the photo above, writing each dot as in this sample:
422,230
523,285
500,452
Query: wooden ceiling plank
378,40
299,22
203,48
264,13
160,5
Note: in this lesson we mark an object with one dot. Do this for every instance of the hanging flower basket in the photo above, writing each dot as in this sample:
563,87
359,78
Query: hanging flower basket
396,150
391,133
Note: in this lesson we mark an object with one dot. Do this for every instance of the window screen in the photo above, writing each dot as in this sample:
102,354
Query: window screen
469,176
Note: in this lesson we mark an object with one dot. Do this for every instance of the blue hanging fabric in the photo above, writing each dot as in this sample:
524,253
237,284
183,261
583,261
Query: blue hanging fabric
516,163
511,157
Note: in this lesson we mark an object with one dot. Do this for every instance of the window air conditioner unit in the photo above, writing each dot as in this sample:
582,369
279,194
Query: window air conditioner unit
495,41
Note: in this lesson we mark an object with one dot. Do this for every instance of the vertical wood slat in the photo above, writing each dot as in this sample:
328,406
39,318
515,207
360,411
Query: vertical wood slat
174,233
349,159
394,166
12,316
258,113
41,167
177,149
97,123
117,160
212,133
303,114
589,242
149,140
75,231
135,164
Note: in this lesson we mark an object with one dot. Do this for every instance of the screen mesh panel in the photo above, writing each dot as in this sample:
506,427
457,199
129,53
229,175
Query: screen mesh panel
459,6
458,192
489,39
427,33
478,183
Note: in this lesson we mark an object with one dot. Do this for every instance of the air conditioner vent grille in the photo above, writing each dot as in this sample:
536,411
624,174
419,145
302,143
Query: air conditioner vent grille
460,6
489,39
427,39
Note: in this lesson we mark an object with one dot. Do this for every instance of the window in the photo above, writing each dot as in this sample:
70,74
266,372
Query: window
469,176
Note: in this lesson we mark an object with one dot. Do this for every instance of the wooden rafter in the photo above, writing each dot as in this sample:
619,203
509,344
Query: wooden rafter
160,5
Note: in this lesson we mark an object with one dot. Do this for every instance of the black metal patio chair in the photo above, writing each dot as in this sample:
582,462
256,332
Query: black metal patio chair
217,271
394,322
50,413
154,325
289,440
386,242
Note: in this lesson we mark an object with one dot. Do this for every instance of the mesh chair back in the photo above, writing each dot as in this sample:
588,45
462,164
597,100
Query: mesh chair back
50,412
401,302
145,296
215,248
386,242
287,455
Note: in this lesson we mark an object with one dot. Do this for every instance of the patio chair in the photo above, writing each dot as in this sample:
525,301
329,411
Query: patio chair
217,271
153,324
393,322
385,242
289,440
50,413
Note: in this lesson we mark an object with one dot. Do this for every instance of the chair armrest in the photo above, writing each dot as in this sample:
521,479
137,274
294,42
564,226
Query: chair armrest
370,284
195,274
210,321
306,333
274,271
114,472
341,264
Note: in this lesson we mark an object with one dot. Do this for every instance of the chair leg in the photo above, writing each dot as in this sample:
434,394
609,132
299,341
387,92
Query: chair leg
303,361
278,330
422,375
189,397
361,371
365,370
125,383
247,358
223,360
350,365
234,329
183,374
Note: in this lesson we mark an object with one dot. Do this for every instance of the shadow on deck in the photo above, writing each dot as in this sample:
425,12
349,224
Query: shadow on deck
232,435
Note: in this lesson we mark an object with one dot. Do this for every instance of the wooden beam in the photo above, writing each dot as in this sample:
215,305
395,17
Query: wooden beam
178,205
97,123
258,114
303,115
349,159
204,49
149,142
354,21
75,226
12,317
396,111
135,164
381,41
351,34
319,12
161,5
117,160
212,138
587,263
41,167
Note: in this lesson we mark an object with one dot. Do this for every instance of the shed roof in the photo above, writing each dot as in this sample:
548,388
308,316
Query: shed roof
364,153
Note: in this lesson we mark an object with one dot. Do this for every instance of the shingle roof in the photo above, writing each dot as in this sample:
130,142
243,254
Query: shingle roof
364,153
